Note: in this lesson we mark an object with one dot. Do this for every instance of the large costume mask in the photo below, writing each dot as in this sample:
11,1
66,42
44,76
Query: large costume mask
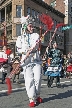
25,21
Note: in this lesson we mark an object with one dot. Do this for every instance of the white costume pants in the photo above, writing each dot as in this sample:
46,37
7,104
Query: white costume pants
32,75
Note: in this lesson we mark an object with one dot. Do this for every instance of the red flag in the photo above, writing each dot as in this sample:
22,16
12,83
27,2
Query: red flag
59,25
8,82
47,20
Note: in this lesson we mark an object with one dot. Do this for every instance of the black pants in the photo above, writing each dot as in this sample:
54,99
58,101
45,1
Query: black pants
15,77
57,79
3,76
50,80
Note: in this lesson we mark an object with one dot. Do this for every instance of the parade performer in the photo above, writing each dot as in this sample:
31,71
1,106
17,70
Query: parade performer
55,55
32,65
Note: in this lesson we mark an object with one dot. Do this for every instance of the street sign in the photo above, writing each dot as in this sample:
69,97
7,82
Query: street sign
67,27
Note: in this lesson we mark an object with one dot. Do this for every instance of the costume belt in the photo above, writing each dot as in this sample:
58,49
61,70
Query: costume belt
32,58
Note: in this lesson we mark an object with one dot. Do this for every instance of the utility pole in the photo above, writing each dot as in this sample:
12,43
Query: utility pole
4,37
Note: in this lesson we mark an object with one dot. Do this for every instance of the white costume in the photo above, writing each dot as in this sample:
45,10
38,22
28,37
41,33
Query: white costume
10,57
3,55
32,65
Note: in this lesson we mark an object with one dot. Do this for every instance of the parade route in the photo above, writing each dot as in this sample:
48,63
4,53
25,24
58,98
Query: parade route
22,88
52,97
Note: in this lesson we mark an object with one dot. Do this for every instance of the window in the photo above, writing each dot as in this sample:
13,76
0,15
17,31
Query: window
55,23
3,15
47,37
53,4
33,13
60,40
71,20
37,17
18,11
28,11
71,9
18,29
59,27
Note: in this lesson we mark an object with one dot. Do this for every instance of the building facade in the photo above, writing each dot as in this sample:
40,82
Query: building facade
12,10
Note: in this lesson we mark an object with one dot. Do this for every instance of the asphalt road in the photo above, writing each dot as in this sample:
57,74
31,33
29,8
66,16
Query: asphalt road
52,97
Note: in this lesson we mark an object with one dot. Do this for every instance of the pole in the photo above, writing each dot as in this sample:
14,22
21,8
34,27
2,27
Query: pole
40,42
4,37
50,39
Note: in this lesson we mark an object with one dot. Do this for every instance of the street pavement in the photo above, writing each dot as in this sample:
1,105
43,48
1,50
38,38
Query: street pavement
52,97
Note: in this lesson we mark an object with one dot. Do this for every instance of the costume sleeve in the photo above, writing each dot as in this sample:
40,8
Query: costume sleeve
35,38
19,44
11,55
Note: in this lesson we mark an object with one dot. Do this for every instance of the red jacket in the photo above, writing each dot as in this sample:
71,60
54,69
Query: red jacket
8,51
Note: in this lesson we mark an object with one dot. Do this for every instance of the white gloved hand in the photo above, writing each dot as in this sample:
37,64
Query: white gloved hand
21,62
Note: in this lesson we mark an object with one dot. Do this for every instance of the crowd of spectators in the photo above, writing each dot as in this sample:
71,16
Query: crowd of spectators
8,55
8,63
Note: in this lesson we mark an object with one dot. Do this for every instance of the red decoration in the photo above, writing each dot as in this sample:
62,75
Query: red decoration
32,104
8,52
2,60
59,25
47,20
8,82
39,100
69,68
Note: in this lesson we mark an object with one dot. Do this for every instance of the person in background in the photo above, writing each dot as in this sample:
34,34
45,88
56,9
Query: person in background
10,54
65,65
5,55
55,55
69,62
4,64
